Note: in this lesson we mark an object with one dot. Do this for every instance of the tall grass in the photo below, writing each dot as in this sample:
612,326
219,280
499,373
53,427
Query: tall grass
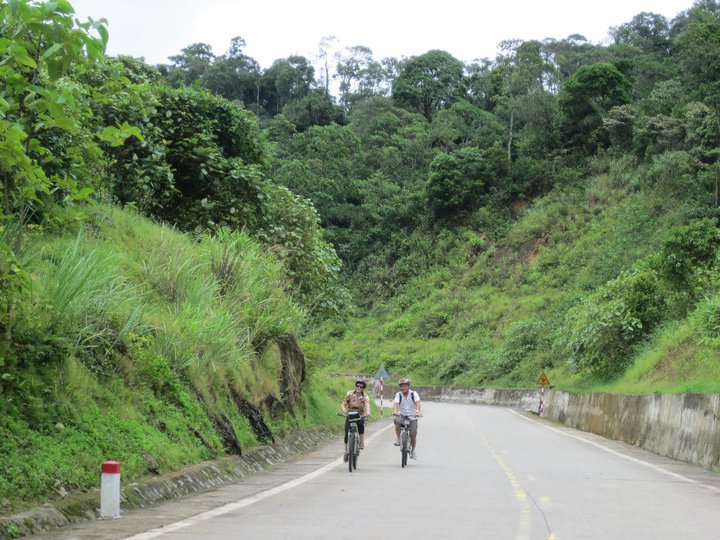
87,300
137,340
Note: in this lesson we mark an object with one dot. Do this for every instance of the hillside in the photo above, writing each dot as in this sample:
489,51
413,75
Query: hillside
583,285
142,345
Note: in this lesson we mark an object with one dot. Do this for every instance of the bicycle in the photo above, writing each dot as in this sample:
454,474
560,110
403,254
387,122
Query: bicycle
405,438
353,444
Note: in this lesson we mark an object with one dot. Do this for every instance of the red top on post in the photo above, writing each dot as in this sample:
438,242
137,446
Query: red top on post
111,467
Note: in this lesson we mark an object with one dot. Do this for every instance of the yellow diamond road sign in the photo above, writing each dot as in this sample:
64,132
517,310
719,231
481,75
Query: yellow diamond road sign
543,380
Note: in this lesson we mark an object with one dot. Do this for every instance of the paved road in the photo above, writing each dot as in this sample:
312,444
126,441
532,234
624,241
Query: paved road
481,473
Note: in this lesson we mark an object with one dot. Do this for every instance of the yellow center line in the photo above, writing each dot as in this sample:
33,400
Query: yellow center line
525,522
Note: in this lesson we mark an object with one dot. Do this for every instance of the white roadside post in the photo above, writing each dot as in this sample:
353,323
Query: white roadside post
381,375
110,490
542,382
381,396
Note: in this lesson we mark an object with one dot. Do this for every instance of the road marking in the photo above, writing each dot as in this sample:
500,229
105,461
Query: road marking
620,454
525,524
242,503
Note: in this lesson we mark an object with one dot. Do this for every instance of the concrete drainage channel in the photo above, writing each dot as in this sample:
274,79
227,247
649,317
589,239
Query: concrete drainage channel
194,479
685,427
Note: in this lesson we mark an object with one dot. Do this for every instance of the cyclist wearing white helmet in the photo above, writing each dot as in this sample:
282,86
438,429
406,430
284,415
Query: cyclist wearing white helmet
406,404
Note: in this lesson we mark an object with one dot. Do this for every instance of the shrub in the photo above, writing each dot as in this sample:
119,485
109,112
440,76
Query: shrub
520,341
604,328
687,249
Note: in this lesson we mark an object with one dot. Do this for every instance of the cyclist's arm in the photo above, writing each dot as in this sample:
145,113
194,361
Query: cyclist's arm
418,406
367,407
396,406
343,405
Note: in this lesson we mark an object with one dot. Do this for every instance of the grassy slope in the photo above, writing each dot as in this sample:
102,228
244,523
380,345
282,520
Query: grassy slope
456,324
135,346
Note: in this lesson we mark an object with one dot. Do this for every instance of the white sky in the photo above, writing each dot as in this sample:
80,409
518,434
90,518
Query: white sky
273,29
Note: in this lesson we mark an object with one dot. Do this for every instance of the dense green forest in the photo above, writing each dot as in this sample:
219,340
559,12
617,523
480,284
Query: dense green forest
167,231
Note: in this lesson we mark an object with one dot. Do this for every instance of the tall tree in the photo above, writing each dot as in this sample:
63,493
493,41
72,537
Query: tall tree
234,75
324,57
193,61
649,32
430,82
359,75
524,78
288,80
586,98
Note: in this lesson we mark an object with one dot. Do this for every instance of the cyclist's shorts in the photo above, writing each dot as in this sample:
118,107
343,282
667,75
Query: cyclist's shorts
400,419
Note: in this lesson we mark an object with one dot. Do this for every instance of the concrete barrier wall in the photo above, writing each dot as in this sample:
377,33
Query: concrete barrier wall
525,399
685,427
680,426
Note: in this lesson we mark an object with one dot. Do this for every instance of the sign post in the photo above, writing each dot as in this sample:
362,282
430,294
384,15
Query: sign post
381,397
542,382
381,374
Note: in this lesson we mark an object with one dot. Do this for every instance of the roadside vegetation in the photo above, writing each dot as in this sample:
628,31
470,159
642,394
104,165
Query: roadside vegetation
166,232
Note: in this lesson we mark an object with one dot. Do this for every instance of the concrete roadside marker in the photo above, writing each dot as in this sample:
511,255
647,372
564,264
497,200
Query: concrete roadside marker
110,490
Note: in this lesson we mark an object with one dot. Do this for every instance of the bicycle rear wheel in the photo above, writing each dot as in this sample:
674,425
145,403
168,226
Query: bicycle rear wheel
352,443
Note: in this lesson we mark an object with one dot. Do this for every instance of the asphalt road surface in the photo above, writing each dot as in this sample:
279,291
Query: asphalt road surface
481,473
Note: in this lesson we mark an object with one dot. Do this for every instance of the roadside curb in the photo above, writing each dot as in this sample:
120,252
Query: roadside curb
194,479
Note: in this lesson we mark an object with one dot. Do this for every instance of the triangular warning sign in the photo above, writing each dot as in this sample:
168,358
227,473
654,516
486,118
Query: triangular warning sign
543,380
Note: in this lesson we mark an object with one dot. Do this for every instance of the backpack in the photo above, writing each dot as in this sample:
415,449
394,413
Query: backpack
412,395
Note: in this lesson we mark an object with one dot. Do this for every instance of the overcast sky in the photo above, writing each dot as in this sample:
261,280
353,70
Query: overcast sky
467,29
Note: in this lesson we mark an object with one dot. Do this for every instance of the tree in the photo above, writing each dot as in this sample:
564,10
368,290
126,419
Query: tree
457,183
585,100
430,82
360,76
323,56
464,124
287,80
481,90
567,55
649,32
315,109
234,75
524,78
698,53
47,156
193,61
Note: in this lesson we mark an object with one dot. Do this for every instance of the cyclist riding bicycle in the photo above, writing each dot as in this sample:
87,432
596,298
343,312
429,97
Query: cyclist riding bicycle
406,405
356,401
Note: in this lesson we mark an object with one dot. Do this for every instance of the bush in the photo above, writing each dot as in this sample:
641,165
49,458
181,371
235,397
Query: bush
604,328
688,249
520,341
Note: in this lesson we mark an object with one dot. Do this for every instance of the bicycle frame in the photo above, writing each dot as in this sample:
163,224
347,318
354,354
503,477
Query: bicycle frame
353,443
405,439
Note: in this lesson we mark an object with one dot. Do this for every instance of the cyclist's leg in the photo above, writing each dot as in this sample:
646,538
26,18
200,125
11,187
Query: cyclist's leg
413,433
398,426
361,431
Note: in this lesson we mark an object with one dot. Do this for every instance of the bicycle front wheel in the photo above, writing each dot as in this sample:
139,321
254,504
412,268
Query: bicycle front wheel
404,448
352,444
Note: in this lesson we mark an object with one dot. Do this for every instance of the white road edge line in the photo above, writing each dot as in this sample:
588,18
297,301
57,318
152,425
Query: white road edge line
230,507
620,454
